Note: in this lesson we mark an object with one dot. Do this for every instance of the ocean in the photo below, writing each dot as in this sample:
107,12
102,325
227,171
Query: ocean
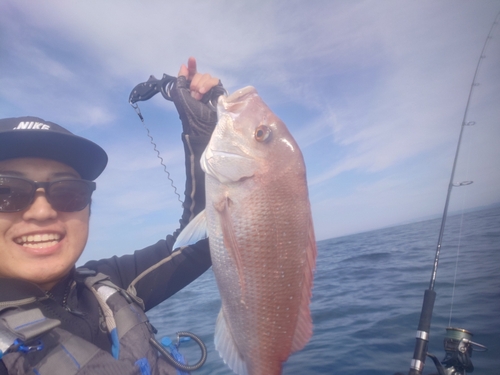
367,296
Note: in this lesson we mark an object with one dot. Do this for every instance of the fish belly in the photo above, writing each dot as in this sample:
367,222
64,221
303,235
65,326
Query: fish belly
261,271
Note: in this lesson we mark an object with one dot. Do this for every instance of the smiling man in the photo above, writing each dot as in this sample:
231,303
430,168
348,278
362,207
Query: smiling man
40,241
54,318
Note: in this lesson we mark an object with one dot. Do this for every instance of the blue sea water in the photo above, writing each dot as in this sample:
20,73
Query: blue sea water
367,297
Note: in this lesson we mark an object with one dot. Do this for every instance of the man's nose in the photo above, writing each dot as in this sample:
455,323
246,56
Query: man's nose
40,209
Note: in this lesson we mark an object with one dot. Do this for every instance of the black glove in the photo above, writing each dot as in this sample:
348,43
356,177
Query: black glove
198,117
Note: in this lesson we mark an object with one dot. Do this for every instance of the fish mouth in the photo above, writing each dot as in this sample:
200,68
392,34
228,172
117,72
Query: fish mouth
237,101
216,155
241,95
227,166
227,154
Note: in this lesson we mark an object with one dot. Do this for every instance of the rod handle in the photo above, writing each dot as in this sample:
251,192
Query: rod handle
422,337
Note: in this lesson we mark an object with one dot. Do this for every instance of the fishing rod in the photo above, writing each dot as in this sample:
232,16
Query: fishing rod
458,346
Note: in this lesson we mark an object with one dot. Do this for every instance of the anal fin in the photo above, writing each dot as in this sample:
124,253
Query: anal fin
225,345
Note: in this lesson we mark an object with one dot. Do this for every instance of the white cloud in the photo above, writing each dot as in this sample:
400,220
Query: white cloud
374,85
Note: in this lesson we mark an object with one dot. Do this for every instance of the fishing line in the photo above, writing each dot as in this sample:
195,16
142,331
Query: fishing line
456,260
464,197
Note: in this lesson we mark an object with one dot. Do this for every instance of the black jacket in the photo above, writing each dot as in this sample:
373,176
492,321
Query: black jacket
155,272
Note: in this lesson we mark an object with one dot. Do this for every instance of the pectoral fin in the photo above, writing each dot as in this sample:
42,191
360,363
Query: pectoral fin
304,329
231,242
195,231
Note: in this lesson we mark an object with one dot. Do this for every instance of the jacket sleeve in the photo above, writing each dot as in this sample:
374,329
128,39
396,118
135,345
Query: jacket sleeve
157,272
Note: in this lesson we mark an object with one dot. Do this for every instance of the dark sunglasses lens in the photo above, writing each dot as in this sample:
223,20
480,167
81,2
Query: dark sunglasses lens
15,194
69,195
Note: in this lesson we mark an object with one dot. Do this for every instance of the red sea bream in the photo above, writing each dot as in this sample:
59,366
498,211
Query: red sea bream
262,244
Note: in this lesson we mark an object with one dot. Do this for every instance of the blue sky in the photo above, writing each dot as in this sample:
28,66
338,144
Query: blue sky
373,91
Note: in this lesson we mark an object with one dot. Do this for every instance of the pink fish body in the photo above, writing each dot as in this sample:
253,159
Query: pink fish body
260,230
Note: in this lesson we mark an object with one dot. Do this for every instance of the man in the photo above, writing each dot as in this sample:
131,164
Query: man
59,320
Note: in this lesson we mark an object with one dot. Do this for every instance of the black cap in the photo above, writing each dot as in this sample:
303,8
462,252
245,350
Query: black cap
22,137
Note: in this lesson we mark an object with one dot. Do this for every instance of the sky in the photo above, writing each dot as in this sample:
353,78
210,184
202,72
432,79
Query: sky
374,92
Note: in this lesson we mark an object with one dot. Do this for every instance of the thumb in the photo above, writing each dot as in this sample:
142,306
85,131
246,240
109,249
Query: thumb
183,71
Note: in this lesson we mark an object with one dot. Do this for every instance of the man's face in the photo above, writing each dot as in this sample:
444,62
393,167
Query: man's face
39,244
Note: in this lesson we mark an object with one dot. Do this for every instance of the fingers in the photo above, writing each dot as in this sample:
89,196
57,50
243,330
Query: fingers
183,71
188,71
191,67
200,83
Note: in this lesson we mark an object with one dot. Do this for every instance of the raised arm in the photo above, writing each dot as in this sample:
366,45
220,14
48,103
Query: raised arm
157,272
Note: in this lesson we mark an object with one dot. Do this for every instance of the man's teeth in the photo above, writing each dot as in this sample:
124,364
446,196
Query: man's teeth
39,240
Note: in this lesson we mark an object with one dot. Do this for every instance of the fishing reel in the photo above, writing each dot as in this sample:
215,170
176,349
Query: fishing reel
458,347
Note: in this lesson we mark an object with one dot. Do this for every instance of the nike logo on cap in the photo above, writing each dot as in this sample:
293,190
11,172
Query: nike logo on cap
32,125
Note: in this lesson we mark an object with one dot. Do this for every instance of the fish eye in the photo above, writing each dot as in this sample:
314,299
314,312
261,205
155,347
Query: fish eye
262,133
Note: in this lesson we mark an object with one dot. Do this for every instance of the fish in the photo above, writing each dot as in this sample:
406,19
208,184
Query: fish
259,224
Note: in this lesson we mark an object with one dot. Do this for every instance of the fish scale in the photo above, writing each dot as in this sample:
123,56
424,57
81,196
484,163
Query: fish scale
269,262
258,221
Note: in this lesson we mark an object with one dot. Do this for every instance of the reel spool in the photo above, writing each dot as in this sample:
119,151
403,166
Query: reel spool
458,347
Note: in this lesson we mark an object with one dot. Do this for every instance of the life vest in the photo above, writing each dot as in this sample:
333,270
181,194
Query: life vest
31,343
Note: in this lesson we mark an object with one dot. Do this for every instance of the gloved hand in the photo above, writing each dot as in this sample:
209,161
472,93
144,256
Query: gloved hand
195,97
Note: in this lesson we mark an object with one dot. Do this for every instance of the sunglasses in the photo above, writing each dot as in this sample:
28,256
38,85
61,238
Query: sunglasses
17,194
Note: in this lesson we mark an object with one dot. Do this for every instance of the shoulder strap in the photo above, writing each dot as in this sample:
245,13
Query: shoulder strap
97,280
18,326
122,310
